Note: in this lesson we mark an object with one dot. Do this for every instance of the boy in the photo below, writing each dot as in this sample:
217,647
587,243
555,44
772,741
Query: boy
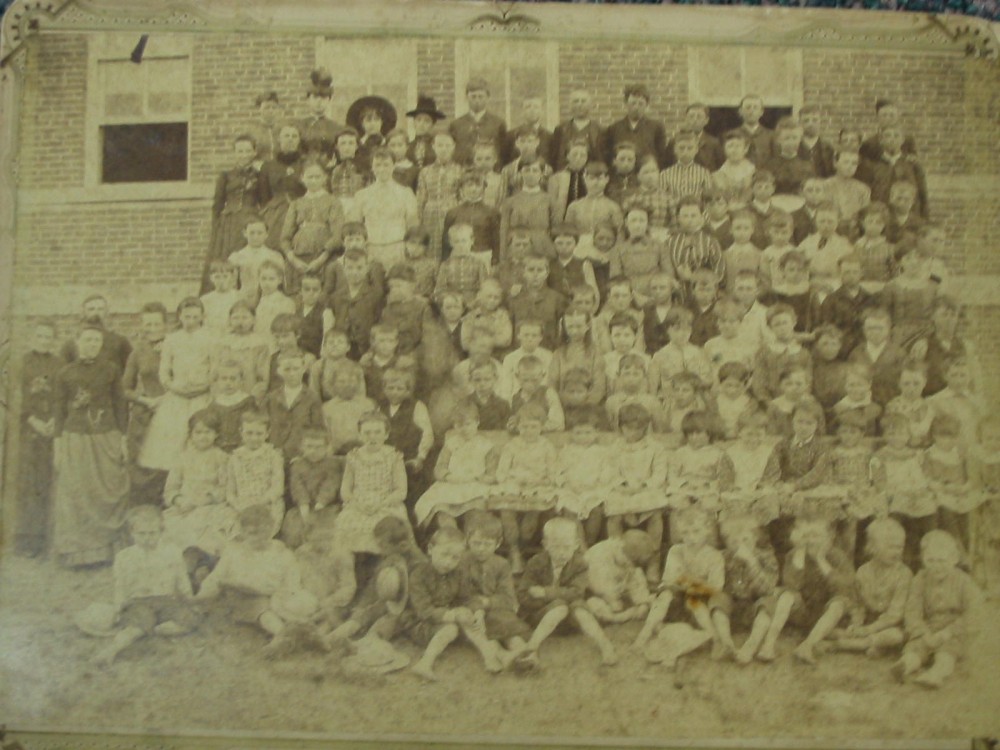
780,228
595,207
904,220
804,217
646,134
824,248
616,577
314,483
529,338
790,170
285,329
679,355
151,586
291,408
569,271
248,259
493,410
533,390
345,407
632,387
530,208
623,179
845,305
315,318
217,302
537,301
716,216
729,345
387,209
35,469
463,272
355,239
527,148
753,328
878,352
691,247
743,254
654,315
259,580
478,124
760,205
813,147
356,304
775,357
732,180
796,291
383,355
569,184
579,128
553,588
710,154
424,267
438,599
848,194
484,219
704,295
408,313
829,378
895,166
958,400
688,176
759,139
531,107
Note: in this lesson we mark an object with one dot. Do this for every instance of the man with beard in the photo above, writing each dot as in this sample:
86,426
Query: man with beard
115,348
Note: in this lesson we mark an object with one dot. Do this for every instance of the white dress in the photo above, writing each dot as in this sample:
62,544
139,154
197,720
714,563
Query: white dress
462,489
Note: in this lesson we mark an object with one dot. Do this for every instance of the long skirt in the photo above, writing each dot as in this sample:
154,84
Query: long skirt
91,496
167,431
34,500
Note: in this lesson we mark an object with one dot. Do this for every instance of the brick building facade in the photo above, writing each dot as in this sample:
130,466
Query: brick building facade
75,235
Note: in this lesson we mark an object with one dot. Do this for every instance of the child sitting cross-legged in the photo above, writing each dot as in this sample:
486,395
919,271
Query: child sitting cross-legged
881,587
553,590
438,598
151,587
617,578
942,613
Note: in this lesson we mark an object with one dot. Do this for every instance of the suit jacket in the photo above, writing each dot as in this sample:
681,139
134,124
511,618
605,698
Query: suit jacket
467,132
510,151
885,370
559,192
648,136
565,133
760,144
821,156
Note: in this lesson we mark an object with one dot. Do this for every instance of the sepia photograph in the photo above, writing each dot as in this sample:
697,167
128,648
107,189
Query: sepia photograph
485,373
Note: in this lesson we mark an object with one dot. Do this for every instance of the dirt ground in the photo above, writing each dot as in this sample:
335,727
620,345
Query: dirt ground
216,679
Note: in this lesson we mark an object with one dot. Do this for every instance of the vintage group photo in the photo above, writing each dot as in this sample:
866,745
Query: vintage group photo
502,386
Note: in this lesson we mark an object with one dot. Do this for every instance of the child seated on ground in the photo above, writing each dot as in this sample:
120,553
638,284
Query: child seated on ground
314,483
553,590
881,587
750,589
256,471
616,577
942,613
465,469
151,587
817,581
525,481
257,581
490,582
694,573
439,603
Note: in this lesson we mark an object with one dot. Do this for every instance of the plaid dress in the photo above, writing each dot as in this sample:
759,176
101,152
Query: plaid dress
437,193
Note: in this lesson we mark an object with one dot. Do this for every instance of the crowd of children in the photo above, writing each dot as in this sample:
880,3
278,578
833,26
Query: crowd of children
497,385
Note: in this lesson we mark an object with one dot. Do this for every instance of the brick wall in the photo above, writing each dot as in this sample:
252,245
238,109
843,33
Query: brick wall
436,72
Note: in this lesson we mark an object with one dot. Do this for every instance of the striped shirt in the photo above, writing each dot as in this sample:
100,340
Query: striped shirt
695,251
680,180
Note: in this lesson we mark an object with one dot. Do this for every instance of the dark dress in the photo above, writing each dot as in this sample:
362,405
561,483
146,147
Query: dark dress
280,184
237,198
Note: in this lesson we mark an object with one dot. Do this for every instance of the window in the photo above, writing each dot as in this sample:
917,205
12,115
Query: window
515,70
370,67
138,113
720,77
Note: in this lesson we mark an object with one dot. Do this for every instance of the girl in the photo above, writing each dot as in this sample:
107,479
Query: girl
374,487
404,171
857,400
185,368
659,204
749,456
817,579
248,348
685,396
909,298
487,311
679,355
196,513
313,227
794,385
617,302
881,586
237,198
578,351
272,302
281,182
525,472
91,474
599,254
346,405
333,359
637,256
256,474
911,406
850,476
465,469
229,402
877,254
638,471
624,333
437,190
699,471
732,400
582,475
141,381
749,593
947,470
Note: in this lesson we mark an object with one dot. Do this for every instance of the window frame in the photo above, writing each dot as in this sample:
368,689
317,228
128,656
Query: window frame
105,47
795,80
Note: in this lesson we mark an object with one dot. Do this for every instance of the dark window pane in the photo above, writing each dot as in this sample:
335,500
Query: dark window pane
144,153
723,119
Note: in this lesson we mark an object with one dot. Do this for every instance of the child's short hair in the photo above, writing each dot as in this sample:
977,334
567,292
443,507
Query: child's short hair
559,526
144,514
483,523
686,136
732,526
942,540
446,535
632,360
346,131
945,425
883,530
399,375
529,362
778,218
230,364
736,370
190,303
875,208
698,421
529,412
780,308
577,376
286,323
678,316
464,411
477,84
636,89
853,420
565,229
373,416
876,313
401,272
634,415
689,200
296,353
686,378
623,320
312,276
471,177
392,533
221,265
726,308
488,366
381,153
625,146
150,308
315,433
207,417
828,329
270,265
534,256
384,329
743,214
810,408
734,135
595,169
524,162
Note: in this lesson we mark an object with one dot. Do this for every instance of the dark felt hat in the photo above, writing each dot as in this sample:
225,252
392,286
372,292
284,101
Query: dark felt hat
427,106
385,110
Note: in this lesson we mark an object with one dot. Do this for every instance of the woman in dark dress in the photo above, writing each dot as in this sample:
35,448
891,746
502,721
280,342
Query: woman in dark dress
281,182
